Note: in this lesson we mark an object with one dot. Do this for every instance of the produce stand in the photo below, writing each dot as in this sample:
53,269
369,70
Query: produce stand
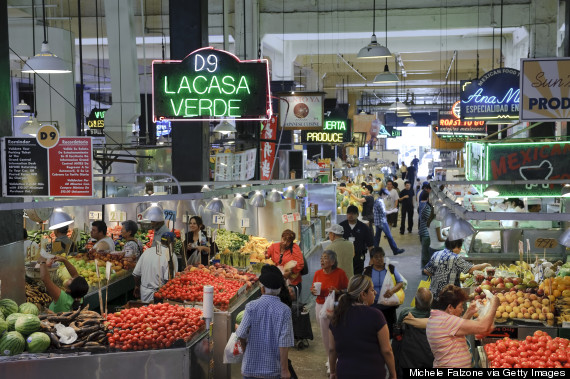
192,361
120,287
224,323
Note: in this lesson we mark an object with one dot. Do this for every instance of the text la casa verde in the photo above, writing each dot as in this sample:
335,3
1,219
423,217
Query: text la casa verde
218,96
514,161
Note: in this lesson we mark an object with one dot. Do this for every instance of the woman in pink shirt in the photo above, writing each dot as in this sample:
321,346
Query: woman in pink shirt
446,329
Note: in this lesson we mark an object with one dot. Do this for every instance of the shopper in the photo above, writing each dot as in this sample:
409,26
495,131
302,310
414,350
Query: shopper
446,329
359,338
445,266
393,169
359,234
99,233
391,202
411,175
71,296
403,170
381,223
399,183
407,201
344,249
287,250
423,229
367,201
332,279
196,243
133,247
266,330
415,163
62,242
426,187
154,268
436,238
377,271
158,226
378,185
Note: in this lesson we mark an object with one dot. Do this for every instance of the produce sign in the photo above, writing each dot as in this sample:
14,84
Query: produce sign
545,91
528,161
189,285
209,84
493,97
156,326
333,131
28,169
537,351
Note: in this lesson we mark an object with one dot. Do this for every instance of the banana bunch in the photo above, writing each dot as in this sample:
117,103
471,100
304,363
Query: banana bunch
35,295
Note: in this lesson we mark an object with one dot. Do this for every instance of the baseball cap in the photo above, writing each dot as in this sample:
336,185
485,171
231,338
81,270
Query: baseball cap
336,229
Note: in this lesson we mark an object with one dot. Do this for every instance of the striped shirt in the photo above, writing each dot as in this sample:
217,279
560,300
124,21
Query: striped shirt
379,212
424,216
448,349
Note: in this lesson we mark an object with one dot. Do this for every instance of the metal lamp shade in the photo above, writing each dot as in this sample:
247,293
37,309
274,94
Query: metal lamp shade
59,219
154,213
23,106
386,76
225,127
257,200
566,190
45,63
449,220
491,191
460,229
274,196
30,127
215,205
374,50
442,213
565,238
301,191
239,202
289,194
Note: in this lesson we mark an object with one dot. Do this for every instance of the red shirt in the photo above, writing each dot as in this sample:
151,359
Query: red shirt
274,253
337,279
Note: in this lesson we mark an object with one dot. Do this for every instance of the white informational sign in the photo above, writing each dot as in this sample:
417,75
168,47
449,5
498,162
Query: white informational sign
219,219
244,223
169,215
545,94
117,216
95,215
301,111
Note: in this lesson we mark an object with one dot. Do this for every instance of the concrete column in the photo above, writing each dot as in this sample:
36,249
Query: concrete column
544,28
246,13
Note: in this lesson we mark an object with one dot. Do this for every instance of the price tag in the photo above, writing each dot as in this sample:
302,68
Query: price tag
117,216
244,223
94,215
169,215
296,216
290,217
219,219
285,219
545,243
140,217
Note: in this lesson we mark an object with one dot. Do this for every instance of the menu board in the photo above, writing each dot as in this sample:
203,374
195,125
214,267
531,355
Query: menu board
29,169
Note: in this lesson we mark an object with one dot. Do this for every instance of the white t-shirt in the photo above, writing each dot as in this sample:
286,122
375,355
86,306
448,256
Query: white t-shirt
401,184
153,270
434,242
391,199
105,243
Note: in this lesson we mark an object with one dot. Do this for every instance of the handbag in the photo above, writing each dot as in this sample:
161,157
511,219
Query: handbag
423,284
389,283
328,307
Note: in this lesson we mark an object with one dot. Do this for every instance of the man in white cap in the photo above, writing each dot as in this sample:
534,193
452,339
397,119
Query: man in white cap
156,219
344,249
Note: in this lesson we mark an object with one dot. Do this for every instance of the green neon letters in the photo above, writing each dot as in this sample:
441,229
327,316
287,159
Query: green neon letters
214,96
335,125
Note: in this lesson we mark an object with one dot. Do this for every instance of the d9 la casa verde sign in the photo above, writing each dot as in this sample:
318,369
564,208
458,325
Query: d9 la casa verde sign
209,84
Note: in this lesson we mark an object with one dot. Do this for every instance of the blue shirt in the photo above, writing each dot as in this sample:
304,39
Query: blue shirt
379,212
378,279
267,326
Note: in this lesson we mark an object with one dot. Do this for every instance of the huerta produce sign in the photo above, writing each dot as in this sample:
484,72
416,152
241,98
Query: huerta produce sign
333,131
209,84
493,97
545,87
528,161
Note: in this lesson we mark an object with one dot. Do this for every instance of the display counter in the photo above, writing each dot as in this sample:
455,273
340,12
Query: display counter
192,361
119,288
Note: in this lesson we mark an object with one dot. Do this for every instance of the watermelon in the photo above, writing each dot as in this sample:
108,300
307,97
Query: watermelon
12,343
3,326
11,320
37,342
27,324
239,317
29,308
8,306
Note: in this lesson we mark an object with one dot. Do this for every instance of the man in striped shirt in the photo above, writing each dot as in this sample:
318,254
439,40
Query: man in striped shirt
423,230
446,329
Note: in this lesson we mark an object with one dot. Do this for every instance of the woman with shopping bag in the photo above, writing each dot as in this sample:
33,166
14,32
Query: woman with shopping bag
388,286
329,280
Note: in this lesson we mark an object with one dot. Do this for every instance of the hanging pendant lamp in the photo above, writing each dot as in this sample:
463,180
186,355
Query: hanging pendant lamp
374,49
31,126
225,127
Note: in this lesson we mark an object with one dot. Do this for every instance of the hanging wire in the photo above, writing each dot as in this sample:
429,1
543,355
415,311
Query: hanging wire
501,43
97,43
477,73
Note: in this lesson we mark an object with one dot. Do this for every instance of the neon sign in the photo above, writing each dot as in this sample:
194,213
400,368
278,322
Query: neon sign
493,97
96,122
321,137
451,128
335,125
209,84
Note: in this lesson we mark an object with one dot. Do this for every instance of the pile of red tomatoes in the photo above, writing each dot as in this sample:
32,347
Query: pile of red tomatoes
156,326
537,351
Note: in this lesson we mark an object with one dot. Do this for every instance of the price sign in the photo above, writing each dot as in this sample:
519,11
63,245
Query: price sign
219,219
117,216
290,217
94,215
169,215
285,219
545,243
504,331
244,223
296,216
140,217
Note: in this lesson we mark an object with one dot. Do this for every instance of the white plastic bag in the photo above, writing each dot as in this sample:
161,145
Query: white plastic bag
328,307
233,352
482,309
388,284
